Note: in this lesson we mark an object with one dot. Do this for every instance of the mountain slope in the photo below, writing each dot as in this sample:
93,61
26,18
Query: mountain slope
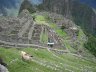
65,56
27,5
45,61
82,14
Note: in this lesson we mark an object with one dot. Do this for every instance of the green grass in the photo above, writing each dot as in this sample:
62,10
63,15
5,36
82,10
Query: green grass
61,33
45,61
53,25
58,30
43,20
40,19
44,37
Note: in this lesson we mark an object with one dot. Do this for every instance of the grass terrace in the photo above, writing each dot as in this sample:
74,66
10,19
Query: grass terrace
45,61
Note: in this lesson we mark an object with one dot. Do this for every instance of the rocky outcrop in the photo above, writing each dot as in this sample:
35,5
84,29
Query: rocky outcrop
27,5
3,69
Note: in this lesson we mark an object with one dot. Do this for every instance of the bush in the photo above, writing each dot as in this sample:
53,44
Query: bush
91,44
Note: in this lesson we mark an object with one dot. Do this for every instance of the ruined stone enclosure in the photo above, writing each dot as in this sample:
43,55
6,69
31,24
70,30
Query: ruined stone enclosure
27,31
23,31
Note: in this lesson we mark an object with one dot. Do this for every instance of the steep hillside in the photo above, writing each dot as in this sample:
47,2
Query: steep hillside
32,33
82,14
27,5
39,30
45,61
78,12
53,37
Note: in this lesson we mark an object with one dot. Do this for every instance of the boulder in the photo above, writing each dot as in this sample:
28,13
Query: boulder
3,68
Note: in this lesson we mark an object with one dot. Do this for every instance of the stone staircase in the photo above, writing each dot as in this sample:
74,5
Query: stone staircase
36,34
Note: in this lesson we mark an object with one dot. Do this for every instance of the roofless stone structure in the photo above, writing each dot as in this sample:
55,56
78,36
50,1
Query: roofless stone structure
23,31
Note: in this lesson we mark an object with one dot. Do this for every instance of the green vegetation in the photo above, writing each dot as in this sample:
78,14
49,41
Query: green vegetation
82,15
91,44
46,21
65,62
53,25
61,33
45,61
49,61
83,19
44,37
40,19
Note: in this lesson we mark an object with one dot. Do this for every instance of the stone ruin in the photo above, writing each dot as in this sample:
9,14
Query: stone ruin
70,27
23,31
